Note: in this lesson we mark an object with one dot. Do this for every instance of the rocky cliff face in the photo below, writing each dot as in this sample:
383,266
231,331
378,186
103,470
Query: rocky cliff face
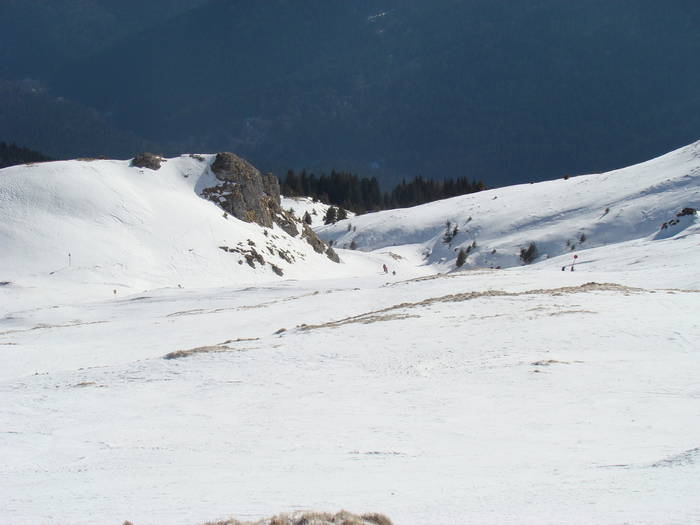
251,196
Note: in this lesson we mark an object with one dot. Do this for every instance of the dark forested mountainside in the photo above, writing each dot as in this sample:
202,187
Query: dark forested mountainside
13,155
363,194
496,90
39,36
61,128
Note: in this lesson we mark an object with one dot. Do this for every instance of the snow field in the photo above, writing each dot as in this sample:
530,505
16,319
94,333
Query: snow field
522,395
429,412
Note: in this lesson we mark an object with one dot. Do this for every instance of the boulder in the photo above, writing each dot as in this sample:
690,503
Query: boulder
147,160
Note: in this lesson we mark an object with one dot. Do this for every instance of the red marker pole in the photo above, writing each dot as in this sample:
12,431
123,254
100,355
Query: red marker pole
573,263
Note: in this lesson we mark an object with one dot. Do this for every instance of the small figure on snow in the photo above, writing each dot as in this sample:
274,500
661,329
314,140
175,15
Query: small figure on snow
574,262
386,270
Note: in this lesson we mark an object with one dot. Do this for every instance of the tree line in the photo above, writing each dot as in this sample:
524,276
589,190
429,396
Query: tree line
362,194
13,155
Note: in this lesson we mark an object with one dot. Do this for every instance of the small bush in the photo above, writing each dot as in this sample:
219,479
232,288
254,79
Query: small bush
314,518
331,215
379,519
194,351
461,258
529,254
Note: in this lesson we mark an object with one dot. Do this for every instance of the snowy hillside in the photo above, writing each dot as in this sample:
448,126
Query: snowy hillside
316,210
109,225
559,217
525,395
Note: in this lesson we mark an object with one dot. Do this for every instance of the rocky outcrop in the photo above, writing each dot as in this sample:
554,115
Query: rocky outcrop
251,196
242,191
330,253
287,222
317,244
147,160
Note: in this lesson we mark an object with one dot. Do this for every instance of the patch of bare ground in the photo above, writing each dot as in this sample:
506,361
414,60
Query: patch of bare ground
50,326
378,315
548,362
362,319
239,340
179,354
201,311
221,347
565,312
452,275
314,518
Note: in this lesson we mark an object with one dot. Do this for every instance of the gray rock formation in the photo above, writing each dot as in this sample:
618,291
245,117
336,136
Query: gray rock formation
242,191
251,196
147,160
330,253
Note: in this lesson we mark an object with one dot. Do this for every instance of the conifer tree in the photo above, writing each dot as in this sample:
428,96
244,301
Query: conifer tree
461,258
331,216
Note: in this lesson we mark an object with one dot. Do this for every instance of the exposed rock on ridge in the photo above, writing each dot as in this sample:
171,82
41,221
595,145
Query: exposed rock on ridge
147,160
250,196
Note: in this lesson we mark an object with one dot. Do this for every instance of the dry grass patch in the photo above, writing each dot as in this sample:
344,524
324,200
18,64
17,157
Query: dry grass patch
314,518
379,315
193,351
220,347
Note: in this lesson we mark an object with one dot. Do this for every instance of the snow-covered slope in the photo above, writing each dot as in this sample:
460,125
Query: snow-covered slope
108,225
559,217
316,210
525,395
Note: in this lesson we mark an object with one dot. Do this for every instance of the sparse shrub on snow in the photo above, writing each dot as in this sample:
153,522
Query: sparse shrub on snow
331,216
449,233
529,254
147,160
314,518
684,212
461,258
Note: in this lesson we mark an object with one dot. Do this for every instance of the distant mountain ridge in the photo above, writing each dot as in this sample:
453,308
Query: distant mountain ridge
495,90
